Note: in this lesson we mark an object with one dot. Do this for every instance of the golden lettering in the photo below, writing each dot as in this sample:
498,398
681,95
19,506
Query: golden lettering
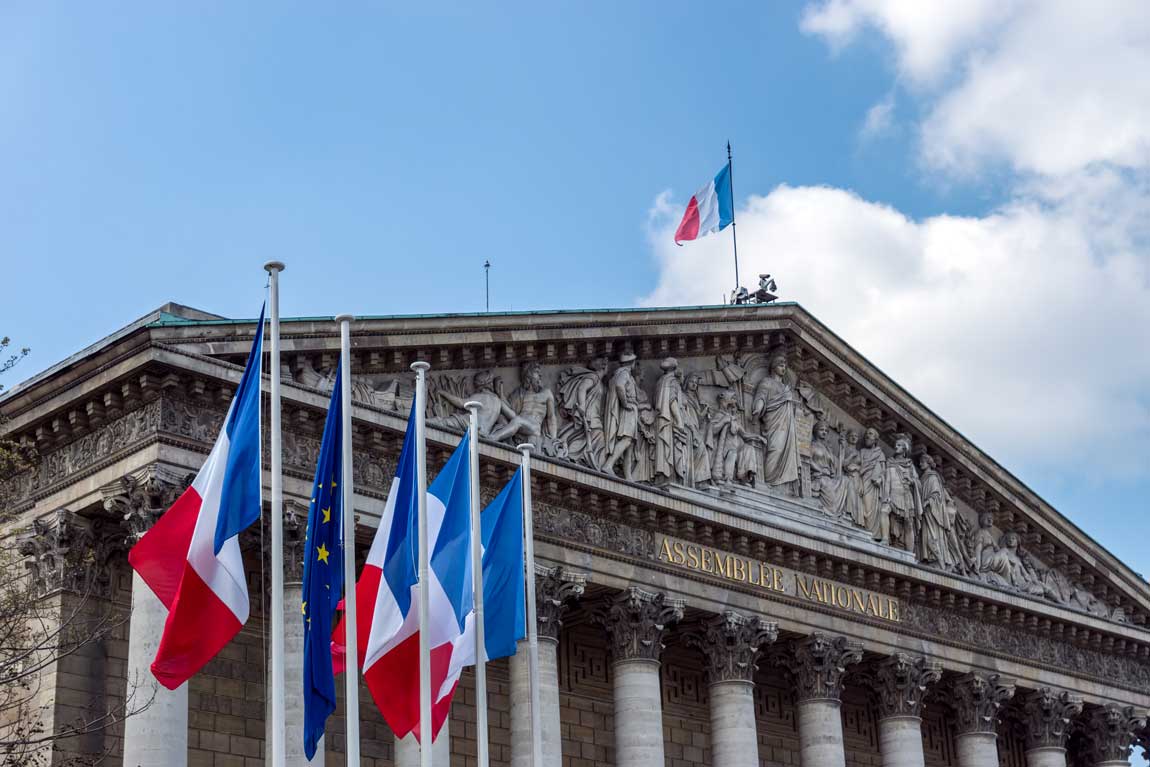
707,560
693,557
665,554
777,579
804,586
842,597
858,602
740,570
680,557
872,606
894,610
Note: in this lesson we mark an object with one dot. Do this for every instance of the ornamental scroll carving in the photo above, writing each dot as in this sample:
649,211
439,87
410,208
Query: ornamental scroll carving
139,499
636,621
1046,717
978,699
555,587
1112,731
64,552
903,680
731,644
819,663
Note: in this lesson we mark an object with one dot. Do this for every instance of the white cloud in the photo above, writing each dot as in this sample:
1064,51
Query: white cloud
1025,328
879,119
1044,86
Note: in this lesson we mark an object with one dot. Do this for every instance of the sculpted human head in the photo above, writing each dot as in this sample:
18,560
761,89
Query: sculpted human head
599,364
822,431
853,437
926,463
986,520
484,380
902,445
533,376
778,364
870,439
691,382
1010,540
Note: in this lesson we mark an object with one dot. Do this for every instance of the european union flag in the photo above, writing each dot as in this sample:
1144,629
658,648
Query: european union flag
322,577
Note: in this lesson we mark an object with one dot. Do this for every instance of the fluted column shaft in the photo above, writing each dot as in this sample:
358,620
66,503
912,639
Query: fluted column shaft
819,662
734,739
158,735
635,622
293,673
902,682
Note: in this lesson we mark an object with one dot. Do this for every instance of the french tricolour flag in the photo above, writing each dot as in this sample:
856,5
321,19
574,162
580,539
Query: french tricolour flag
387,592
191,557
710,210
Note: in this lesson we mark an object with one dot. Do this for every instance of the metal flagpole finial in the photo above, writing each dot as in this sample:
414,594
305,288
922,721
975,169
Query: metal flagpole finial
525,447
472,405
341,318
419,366
274,266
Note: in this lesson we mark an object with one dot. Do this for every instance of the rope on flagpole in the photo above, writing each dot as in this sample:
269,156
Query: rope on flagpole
346,478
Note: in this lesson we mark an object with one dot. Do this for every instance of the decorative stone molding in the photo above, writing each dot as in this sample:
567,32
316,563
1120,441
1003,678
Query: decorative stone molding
1112,731
977,700
1047,715
902,682
139,499
555,587
294,534
819,662
64,552
731,644
636,621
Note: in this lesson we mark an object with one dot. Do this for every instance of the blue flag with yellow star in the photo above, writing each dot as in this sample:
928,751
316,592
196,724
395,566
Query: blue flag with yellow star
322,577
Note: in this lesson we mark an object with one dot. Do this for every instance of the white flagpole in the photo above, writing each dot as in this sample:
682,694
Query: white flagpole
425,737
532,621
351,674
477,586
277,546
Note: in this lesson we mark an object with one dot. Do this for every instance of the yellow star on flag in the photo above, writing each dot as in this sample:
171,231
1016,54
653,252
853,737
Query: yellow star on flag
322,553
303,608
326,515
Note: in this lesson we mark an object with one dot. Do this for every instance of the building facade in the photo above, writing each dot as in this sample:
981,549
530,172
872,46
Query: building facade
754,549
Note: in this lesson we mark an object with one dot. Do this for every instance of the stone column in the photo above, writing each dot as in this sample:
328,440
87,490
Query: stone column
902,682
554,588
1046,715
407,748
294,531
731,644
1112,730
158,735
635,622
977,701
819,663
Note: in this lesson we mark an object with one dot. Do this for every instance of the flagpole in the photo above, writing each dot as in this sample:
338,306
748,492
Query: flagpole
734,239
351,674
477,584
425,730
532,621
277,546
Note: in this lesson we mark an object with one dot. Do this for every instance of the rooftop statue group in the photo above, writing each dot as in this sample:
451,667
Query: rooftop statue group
738,425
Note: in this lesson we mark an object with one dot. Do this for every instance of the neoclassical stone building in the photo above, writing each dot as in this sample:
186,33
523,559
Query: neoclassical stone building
754,548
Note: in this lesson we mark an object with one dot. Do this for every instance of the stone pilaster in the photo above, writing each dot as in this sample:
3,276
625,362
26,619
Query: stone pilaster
978,698
1112,731
902,682
636,622
555,588
731,644
158,735
1047,715
819,663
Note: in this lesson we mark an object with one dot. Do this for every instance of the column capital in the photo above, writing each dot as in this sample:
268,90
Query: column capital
139,499
555,587
1046,716
1112,731
731,644
978,698
902,681
820,662
65,552
636,621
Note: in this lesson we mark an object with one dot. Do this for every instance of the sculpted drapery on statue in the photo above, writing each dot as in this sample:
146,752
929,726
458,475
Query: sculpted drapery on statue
735,457
776,404
872,476
827,479
672,440
902,498
582,393
622,423
697,418
532,408
483,391
939,543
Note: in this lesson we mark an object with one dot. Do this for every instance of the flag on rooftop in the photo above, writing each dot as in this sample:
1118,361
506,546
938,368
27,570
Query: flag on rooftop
322,576
711,210
191,557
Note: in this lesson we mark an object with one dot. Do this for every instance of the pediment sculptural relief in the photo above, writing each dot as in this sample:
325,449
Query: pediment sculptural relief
742,426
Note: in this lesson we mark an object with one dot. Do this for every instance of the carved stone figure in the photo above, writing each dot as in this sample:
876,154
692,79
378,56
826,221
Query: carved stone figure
531,411
872,473
697,418
644,470
1005,566
622,424
902,497
938,544
978,699
582,393
483,391
735,457
776,405
731,644
636,621
827,480
852,480
672,441
902,682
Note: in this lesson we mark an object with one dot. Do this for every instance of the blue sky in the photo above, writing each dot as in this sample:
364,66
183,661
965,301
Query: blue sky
980,236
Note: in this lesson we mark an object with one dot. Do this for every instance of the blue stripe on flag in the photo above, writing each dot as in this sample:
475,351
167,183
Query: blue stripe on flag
504,612
240,496
401,562
451,558
725,192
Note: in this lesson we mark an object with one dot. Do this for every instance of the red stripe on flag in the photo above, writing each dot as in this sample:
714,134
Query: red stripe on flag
393,681
689,226
198,627
161,554
366,593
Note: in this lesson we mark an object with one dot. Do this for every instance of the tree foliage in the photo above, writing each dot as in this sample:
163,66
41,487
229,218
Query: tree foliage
14,457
